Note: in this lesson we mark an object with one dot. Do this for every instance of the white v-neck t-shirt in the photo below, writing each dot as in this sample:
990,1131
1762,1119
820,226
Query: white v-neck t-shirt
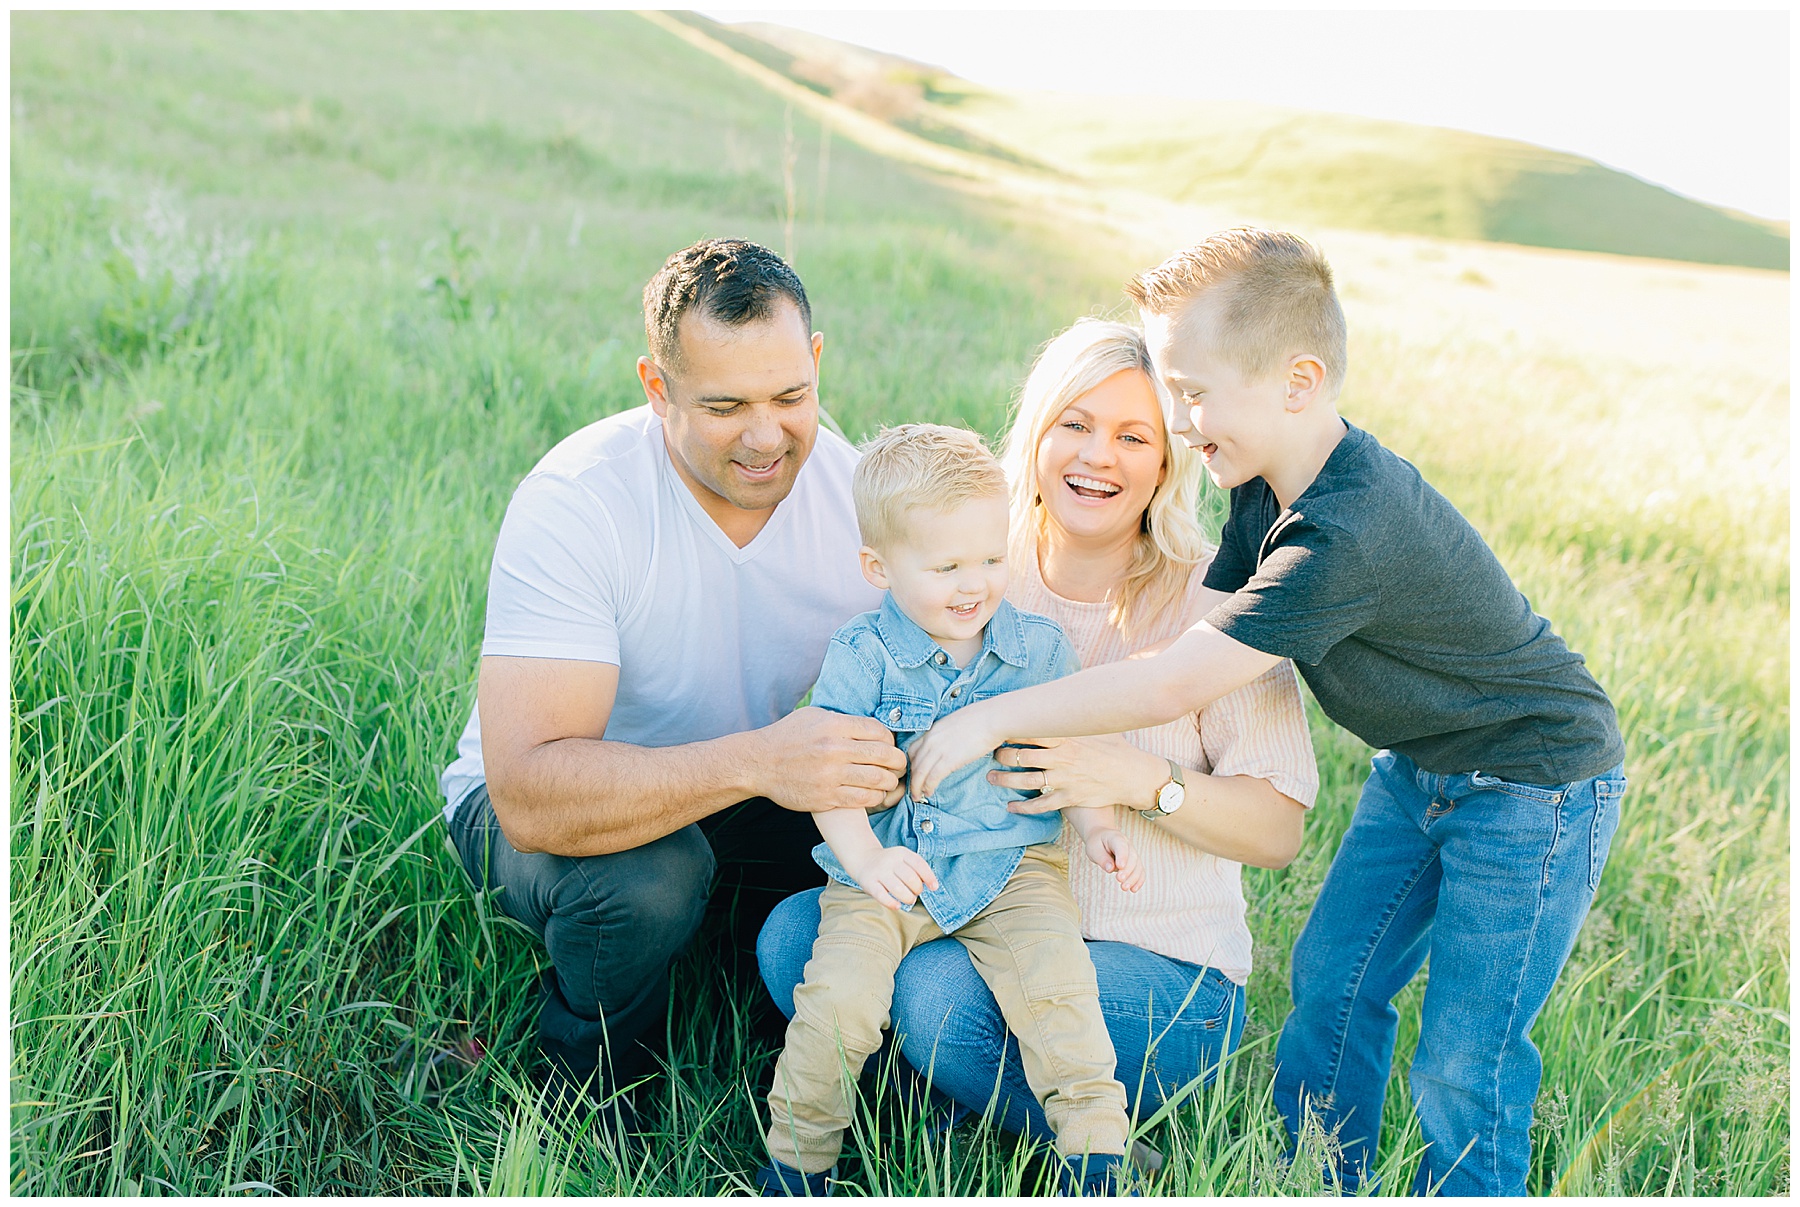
606,556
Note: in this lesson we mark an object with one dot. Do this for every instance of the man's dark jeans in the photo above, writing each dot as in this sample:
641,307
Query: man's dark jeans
613,923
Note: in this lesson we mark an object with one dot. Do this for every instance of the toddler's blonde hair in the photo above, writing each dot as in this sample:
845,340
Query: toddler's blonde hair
1275,293
918,465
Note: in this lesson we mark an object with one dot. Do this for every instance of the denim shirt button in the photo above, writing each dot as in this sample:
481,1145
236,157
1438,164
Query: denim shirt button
894,716
955,692
942,657
926,826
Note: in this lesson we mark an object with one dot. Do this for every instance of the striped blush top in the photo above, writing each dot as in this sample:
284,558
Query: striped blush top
1191,906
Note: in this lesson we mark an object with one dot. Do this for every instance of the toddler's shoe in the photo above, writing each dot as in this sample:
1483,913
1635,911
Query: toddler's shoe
1095,1175
778,1181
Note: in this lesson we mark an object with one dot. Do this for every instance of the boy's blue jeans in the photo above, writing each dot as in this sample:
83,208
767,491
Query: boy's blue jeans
1491,880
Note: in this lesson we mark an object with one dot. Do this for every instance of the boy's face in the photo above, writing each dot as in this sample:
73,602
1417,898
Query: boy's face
949,574
1235,423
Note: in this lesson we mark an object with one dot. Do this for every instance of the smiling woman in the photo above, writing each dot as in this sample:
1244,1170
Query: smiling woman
1091,410
1105,542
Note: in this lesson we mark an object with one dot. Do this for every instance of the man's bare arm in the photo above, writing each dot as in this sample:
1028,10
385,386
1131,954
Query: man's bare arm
556,786
1202,665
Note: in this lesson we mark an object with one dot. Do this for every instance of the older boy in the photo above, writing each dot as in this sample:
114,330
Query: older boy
1481,833
932,508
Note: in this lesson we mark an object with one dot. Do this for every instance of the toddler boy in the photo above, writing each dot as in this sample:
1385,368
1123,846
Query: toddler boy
1481,832
932,508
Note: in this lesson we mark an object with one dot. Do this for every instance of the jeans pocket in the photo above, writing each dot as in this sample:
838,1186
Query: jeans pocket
1608,793
1537,792
463,831
1211,1007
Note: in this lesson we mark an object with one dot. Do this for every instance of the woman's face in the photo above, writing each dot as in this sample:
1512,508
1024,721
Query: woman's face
1102,459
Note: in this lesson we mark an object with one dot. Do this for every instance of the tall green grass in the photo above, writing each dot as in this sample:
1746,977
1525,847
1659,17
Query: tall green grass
296,300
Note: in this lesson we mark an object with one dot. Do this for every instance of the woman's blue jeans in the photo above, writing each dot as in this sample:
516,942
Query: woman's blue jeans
1170,1021
1490,879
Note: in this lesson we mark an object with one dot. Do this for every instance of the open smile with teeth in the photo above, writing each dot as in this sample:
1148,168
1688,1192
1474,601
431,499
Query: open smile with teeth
964,611
1091,488
759,471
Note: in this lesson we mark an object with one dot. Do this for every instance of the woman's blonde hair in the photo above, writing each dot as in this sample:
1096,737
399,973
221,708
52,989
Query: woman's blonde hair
1170,542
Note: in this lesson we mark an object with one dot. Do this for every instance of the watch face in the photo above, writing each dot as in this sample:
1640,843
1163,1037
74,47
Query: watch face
1169,797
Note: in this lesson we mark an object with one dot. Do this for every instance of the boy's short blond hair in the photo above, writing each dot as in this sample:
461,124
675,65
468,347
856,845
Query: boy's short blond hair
1275,299
919,465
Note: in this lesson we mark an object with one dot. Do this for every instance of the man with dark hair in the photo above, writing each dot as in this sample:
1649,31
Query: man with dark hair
662,592
733,280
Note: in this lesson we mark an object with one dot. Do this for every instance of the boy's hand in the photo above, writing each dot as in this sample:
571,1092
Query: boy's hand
894,876
1113,852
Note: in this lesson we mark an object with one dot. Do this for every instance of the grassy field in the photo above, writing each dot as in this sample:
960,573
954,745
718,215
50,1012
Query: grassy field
296,301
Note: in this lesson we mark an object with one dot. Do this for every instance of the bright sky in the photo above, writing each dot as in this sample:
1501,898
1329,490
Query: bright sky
1696,102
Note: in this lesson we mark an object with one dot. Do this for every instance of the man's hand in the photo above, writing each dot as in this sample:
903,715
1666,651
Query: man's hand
893,876
1114,853
953,741
812,760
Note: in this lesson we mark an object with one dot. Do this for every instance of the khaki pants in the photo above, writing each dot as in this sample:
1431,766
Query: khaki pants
1027,946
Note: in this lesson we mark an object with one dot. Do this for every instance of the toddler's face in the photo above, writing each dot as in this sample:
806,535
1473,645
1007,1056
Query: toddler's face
949,574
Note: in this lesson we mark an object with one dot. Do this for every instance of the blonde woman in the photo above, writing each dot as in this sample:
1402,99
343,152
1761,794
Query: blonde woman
1105,542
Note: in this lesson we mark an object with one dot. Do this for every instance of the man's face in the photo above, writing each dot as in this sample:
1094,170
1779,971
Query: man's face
741,412
1234,422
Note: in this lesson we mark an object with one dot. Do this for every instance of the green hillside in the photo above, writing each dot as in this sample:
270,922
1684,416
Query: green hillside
297,299
1283,166
540,166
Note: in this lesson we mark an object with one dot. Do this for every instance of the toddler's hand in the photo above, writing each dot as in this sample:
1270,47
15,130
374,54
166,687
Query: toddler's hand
1114,852
894,876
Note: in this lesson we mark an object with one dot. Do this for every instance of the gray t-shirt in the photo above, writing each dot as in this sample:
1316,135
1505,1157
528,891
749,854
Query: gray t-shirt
1405,625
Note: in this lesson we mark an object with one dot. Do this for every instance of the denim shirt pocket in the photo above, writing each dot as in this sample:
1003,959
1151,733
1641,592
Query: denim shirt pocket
905,714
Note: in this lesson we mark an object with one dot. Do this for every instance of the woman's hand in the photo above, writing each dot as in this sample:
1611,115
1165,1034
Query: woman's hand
953,741
1078,773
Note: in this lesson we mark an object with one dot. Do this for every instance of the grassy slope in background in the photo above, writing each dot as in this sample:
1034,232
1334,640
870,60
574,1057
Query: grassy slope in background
1283,165
298,299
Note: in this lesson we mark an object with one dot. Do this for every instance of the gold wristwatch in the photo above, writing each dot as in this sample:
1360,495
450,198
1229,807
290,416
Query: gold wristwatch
1170,796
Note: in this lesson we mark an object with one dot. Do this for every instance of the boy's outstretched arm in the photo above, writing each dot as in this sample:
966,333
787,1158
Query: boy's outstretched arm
1201,666
892,875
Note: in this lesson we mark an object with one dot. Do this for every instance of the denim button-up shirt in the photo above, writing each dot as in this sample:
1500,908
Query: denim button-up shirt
884,666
